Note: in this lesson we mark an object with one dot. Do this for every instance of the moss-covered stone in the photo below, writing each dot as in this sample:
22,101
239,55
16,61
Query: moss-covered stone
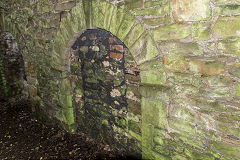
229,47
126,26
117,17
211,68
134,34
179,48
227,10
157,21
227,27
174,62
133,4
144,49
190,10
150,11
169,32
153,112
201,31
237,90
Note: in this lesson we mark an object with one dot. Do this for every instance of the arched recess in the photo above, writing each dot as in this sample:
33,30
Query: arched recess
120,23
12,72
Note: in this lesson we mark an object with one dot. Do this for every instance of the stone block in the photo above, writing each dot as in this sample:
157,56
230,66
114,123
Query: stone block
157,21
175,62
64,6
179,48
153,73
108,16
144,49
228,150
150,11
209,68
190,10
133,4
237,90
153,77
134,34
201,31
153,112
155,3
170,32
227,10
229,47
99,13
227,27
126,26
117,17
220,1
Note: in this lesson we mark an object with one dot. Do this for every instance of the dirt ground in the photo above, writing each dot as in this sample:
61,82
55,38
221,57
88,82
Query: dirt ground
22,136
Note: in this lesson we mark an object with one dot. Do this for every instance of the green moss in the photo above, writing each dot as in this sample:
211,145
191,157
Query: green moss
169,32
153,112
229,47
157,21
126,26
237,90
134,34
227,10
227,27
133,4
117,17
150,11
135,135
108,16
153,77
201,31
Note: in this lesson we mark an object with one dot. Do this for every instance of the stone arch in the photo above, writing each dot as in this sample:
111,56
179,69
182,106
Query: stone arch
104,15
12,72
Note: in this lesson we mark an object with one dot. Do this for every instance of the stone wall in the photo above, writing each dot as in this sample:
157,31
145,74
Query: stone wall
187,52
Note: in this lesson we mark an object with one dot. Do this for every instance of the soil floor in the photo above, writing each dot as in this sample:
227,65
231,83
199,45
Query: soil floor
22,136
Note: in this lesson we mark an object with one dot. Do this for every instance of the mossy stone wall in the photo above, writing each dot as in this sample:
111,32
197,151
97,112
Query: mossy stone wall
187,51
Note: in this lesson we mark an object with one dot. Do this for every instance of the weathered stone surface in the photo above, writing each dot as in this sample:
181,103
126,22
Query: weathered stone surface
153,77
126,26
134,34
154,112
169,32
179,48
229,47
174,62
201,31
144,49
117,17
227,10
190,10
210,68
150,11
157,21
133,4
65,6
227,27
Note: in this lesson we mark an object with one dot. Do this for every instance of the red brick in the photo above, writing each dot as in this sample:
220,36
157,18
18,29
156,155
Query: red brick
117,47
116,55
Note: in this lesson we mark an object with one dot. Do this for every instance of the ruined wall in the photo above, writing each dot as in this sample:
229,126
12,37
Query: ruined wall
187,52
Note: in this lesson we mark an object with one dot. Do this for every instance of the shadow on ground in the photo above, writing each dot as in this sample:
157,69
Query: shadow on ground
22,136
